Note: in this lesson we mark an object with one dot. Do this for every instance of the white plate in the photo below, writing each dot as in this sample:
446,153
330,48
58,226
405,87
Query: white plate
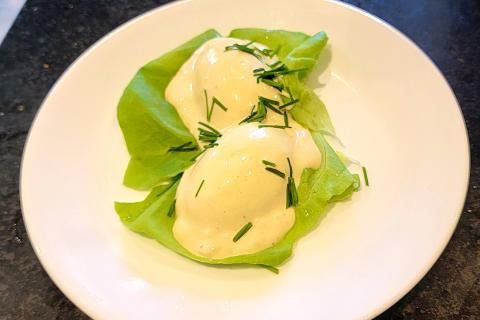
391,107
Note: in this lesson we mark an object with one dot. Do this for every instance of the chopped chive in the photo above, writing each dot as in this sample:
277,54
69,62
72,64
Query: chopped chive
243,48
365,175
206,104
267,100
276,70
187,149
171,210
250,116
256,116
211,128
221,105
268,163
184,147
285,118
272,83
270,104
290,167
215,101
275,171
272,126
271,73
210,145
180,146
207,133
211,135
292,196
288,103
199,188
291,100
242,231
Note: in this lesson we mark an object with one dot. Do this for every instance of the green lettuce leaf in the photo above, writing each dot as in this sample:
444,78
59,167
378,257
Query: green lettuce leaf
318,188
151,164
297,50
280,40
151,125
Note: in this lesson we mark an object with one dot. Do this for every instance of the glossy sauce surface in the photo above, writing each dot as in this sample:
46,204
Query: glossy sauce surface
226,75
228,186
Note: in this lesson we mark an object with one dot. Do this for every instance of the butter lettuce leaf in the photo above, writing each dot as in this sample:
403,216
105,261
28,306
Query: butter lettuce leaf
151,125
298,51
317,189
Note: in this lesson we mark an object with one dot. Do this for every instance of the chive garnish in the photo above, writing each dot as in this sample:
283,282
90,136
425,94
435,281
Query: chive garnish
243,48
272,126
272,83
275,71
269,76
256,115
206,104
209,134
269,101
215,101
253,51
171,210
242,231
275,171
184,147
290,167
292,196
270,167
270,104
288,104
211,145
199,188
285,118
211,128
285,126
268,163
365,175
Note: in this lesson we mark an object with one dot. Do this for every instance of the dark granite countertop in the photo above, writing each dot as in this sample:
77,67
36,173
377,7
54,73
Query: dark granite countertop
48,35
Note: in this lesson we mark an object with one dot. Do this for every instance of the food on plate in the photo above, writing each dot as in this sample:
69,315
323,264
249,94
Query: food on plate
232,145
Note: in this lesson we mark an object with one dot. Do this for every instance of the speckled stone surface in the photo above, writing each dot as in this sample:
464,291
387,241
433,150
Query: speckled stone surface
48,35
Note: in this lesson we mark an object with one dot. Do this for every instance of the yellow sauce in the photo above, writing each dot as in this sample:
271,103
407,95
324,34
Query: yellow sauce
235,187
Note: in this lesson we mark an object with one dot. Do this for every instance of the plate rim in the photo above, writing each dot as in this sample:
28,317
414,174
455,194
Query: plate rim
400,293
